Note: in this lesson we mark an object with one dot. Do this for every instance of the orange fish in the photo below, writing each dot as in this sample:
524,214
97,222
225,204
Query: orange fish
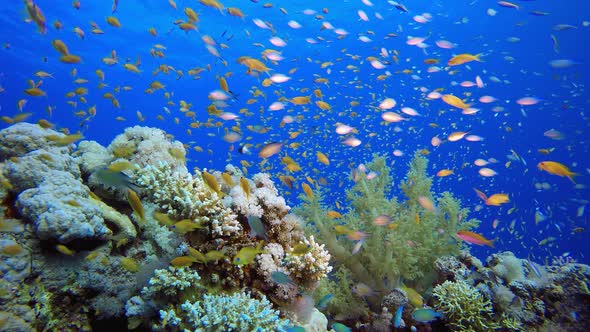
497,199
463,58
474,238
555,168
444,172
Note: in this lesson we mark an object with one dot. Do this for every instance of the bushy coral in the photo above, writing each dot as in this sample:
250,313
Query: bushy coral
403,250
310,267
506,266
464,307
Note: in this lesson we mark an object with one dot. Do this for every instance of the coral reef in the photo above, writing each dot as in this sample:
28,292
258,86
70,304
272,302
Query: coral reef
92,258
401,250
506,293
22,138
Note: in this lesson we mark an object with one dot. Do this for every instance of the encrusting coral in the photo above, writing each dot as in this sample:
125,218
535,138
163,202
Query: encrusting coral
400,248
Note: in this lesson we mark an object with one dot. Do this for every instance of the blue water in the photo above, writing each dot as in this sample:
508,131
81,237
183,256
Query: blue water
562,92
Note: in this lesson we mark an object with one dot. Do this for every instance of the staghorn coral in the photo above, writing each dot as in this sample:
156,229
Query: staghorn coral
183,303
406,249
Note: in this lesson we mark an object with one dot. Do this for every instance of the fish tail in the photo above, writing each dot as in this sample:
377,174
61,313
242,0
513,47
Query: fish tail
478,57
571,177
491,242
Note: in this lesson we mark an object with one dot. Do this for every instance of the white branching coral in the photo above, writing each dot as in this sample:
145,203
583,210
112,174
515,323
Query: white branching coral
271,261
311,267
263,198
171,281
288,231
183,196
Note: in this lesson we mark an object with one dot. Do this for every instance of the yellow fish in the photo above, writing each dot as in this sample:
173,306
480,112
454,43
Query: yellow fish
454,101
322,158
183,261
129,264
307,190
247,254
497,199
211,182
245,187
135,203
186,225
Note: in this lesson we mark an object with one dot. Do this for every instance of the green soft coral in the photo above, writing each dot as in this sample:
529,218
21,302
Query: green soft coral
404,251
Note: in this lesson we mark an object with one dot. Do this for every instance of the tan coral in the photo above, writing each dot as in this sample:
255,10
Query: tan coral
126,228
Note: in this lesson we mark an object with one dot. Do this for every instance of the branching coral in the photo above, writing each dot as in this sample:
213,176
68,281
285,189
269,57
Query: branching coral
182,196
310,267
403,250
464,307
218,313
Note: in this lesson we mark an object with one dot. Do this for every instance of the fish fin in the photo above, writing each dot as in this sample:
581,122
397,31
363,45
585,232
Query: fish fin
491,242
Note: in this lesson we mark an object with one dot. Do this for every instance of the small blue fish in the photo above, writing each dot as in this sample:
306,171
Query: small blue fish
339,327
397,318
323,302
534,268
425,315
115,179
294,328
281,278
257,228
